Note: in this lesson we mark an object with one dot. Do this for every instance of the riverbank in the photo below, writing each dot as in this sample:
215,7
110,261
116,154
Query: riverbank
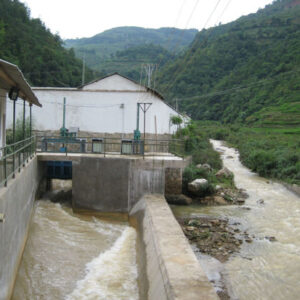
265,268
273,153
217,238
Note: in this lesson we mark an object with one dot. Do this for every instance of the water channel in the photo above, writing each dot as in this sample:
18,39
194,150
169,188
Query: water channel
70,256
262,269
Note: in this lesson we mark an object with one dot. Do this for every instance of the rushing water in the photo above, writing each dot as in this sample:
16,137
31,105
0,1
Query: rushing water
68,256
262,269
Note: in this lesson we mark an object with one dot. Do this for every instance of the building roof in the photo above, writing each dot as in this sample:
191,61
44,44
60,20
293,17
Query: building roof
153,91
156,93
11,76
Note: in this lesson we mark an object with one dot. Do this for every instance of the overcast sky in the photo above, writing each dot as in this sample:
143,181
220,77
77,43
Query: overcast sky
85,18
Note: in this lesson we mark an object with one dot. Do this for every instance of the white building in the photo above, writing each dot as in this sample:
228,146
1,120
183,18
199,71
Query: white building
107,105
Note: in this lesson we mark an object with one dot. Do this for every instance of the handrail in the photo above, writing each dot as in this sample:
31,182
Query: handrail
109,145
14,156
19,152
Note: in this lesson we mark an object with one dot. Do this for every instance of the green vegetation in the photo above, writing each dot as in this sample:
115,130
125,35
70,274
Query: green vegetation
123,48
197,146
247,71
38,53
128,62
271,152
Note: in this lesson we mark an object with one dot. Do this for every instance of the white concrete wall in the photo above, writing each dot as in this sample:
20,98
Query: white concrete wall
97,108
16,203
169,265
2,118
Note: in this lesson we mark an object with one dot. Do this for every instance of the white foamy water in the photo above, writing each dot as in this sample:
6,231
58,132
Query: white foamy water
116,282
70,256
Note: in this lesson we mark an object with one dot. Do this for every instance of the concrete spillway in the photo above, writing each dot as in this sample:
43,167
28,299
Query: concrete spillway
167,267
70,256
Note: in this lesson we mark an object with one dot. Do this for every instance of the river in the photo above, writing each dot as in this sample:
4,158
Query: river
262,269
70,256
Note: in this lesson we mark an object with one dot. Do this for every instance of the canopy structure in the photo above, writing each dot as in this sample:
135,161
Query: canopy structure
12,77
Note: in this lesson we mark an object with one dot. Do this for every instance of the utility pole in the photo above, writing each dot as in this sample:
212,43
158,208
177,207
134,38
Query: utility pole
83,69
149,68
144,107
176,104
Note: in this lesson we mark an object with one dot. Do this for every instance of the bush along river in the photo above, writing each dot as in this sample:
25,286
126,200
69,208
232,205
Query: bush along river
249,251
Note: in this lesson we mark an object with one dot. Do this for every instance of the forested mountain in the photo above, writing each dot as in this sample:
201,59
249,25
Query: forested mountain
245,71
39,54
130,62
102,51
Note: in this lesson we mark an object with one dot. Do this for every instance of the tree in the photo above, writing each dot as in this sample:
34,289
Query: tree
176,120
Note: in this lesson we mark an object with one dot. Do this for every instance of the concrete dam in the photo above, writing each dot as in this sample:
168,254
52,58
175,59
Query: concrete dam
118,239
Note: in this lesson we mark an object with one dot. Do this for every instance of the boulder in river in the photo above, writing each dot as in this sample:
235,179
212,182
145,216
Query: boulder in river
178,199
198,186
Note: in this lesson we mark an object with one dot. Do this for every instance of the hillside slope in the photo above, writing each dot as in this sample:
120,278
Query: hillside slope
101,49
39,54
245,71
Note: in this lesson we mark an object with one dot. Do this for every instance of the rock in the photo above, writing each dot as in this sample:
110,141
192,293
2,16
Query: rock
271,238
260,201
207,167
190,228
204,166
218,188
198,186
178,199
248,240
229,156
220,200
240,201
246,208
224,172
215,222
193,223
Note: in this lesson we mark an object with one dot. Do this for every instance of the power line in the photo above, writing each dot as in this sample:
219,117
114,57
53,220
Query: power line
211,14
186,54
225,8
238,88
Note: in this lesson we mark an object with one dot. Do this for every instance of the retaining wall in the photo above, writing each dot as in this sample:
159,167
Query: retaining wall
114,185
169,269
16,203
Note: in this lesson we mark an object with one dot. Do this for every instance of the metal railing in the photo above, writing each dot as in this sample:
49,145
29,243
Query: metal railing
109,146
13,158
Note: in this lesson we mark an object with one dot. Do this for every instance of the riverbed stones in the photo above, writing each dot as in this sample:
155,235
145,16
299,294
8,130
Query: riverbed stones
212,236
271,238
220,200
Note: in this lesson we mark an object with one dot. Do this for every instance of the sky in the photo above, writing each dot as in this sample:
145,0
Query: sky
85,18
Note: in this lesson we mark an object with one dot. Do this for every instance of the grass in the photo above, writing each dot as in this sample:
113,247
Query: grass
198,146
272,152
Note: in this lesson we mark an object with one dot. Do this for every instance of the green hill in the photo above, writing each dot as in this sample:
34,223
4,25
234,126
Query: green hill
245,71
39,54
129,62
102,51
